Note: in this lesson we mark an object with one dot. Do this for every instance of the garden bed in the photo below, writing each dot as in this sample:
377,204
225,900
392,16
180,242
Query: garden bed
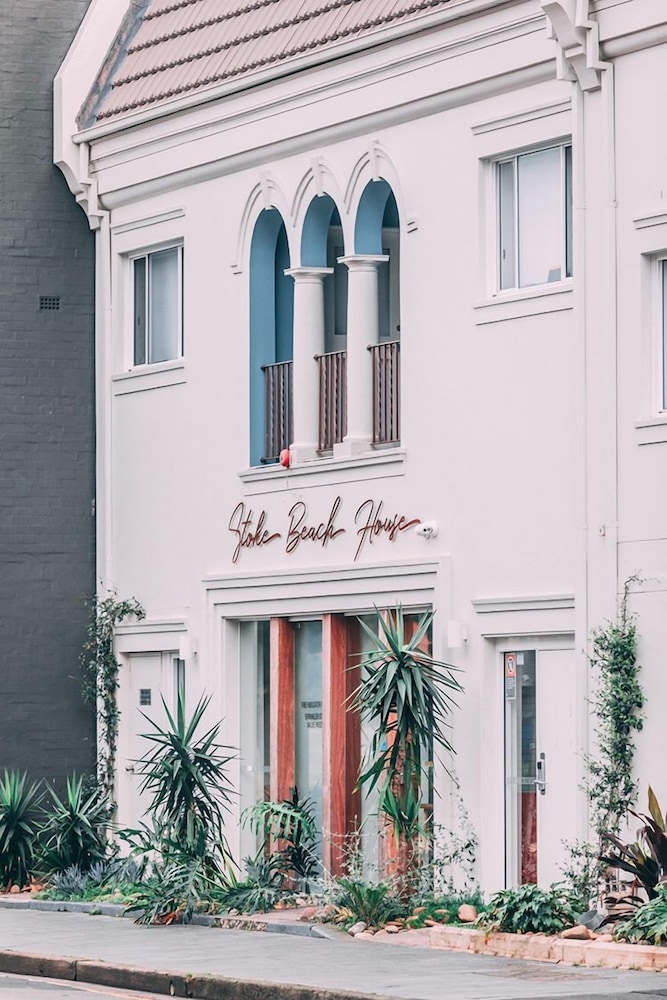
537,947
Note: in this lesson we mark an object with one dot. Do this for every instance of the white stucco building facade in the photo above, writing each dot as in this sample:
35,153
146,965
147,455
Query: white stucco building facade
424,255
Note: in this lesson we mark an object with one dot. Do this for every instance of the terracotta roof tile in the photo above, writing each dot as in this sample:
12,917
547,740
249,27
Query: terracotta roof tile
182,46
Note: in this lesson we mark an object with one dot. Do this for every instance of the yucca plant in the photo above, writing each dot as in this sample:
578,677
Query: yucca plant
406,697
184,773
18,802
74,828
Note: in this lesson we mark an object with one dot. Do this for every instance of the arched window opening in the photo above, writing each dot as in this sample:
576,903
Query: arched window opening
271,340
322,245
376,265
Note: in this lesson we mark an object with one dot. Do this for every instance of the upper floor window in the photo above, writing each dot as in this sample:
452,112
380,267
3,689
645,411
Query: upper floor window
534,192
663,338
158,306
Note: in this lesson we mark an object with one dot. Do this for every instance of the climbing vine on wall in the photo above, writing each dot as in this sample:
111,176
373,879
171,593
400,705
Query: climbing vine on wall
617,706
100,677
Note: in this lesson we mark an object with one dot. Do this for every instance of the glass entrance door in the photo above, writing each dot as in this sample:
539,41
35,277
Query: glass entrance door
541,772
308,745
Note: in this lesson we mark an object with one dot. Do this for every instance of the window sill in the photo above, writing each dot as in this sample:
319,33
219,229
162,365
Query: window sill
520,302
372,465
149,377
652,431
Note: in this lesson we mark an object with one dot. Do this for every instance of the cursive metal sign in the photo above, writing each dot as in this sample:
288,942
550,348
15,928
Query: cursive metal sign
250,530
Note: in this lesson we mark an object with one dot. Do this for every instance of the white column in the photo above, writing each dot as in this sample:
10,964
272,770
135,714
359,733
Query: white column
308,341
363,330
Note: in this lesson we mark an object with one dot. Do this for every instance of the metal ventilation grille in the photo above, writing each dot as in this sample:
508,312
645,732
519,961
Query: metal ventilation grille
49,303
144,696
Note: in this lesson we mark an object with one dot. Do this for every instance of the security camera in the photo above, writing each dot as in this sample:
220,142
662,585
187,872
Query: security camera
427,529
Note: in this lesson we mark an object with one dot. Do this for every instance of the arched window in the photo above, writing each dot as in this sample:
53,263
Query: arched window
271,340
377,247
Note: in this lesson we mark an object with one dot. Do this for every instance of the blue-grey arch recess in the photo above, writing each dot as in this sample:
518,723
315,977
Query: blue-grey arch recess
321,214
377,198
271,314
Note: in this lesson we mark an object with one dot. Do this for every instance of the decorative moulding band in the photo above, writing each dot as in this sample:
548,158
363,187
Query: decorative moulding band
543,602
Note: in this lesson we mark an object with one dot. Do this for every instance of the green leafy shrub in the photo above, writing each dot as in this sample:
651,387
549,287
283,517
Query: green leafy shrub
179,882
529,908
74,830
18,828
261,889
292,825
648,923
371,902
444,909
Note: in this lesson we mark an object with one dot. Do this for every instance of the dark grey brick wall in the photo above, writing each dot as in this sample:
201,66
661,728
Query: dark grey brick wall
47,438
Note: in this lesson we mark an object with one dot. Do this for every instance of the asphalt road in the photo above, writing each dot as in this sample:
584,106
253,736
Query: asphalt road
24,988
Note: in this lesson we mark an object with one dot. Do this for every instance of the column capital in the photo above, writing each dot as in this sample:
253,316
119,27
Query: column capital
311,274
363,261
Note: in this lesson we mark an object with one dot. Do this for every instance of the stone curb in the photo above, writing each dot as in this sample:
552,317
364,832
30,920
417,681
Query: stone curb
539,947
175,984
237,923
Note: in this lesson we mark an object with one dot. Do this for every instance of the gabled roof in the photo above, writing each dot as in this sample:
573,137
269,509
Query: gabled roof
177,47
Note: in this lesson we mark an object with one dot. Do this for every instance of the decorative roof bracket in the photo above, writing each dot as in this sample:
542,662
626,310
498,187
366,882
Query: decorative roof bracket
578,39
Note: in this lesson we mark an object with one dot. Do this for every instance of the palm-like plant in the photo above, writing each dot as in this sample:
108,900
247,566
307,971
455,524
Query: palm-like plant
406,697
185,775
75,828
18,801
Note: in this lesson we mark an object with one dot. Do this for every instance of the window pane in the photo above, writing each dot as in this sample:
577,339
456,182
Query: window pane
140,311
568,211
308,747
540,217
664,334
507,224
165,318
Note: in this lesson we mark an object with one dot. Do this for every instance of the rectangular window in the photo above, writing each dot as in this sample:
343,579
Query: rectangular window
158,306
535,218
663,290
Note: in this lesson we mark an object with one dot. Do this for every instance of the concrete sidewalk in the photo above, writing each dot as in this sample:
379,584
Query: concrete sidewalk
218,964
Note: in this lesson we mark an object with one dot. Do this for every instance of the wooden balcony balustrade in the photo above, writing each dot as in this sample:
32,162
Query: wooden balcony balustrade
278,388
333,398
386,392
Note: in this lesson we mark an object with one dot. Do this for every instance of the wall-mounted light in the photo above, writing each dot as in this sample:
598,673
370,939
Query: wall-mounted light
457,635
187,647
427,529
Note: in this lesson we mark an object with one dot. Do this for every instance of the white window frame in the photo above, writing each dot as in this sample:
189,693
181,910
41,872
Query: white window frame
659,365
514,157
145,254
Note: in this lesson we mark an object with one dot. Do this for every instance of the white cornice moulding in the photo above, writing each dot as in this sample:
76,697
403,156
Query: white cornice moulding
541,602
386,118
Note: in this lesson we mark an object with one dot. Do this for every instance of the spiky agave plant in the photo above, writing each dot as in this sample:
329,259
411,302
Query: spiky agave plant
18,802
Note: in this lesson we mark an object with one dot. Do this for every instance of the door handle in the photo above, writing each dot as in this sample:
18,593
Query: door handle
541,774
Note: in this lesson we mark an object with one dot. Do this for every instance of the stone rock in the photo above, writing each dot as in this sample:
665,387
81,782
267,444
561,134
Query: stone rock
326,912
467,913
392,929
309,913
429,923
577,933
15,889
606,937
357,928
417,910
364,936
